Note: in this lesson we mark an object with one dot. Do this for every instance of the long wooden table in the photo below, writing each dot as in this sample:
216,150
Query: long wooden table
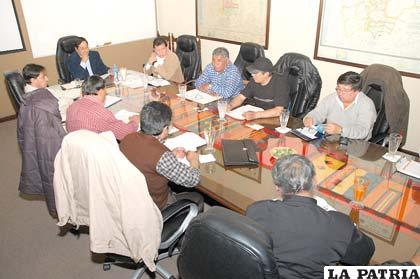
391,214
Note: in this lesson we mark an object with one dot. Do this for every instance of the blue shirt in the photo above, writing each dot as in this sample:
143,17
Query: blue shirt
226,84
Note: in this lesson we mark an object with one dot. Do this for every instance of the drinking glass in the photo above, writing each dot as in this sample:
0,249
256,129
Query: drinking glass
393,144
209,136
361,183
182,90
284,118
222,107
123,73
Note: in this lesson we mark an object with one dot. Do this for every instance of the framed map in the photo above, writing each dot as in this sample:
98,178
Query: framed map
233,21
363,32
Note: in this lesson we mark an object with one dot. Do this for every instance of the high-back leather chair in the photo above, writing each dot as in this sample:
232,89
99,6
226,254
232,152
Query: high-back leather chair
223,244
65,47
304,81
248,53
383,84
189,54
15,85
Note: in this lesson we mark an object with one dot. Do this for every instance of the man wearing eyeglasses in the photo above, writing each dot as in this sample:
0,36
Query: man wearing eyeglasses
347,112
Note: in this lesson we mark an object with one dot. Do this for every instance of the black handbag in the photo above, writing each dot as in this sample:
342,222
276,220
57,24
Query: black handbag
239,153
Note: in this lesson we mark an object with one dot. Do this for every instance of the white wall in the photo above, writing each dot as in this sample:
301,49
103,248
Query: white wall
292,29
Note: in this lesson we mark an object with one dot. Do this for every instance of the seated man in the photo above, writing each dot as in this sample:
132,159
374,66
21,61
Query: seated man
266,89
83,62
158,164
220,77
35,77
306,237
348,112
39,133
163,63
89,112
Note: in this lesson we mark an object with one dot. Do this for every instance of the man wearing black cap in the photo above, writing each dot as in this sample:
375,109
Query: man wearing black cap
266,89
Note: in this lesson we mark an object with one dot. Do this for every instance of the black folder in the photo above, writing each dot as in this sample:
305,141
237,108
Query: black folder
239,153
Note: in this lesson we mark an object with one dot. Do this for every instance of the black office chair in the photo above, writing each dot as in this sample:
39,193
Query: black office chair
248,53
223,244
65,47
176,218
304,81
188,51
15,85
383,84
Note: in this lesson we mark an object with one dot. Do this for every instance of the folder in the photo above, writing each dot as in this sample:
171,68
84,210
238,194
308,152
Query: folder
239,153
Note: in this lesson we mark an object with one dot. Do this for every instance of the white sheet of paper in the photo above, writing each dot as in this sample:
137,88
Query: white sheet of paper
310,133
283,131
110,100
124,115
237,113
203,159
254,126
200,97
189,141
173,130
409,167
158,81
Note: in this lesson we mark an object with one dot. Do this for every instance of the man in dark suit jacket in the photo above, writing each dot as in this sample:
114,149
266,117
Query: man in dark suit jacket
84,63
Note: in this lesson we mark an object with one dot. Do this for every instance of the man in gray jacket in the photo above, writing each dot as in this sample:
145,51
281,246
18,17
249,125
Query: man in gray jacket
347,112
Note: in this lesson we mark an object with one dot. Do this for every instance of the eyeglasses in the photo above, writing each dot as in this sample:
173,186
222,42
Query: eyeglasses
344,90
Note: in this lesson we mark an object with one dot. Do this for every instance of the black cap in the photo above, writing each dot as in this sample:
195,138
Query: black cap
262,64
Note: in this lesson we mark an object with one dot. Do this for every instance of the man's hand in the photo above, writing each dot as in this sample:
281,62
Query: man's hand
308,121
250,115
332,129
152,58
134,118
179,152
204,87
192,157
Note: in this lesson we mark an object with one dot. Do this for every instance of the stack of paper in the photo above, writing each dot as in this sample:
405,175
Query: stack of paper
158,81
409,167
189,141
200,97
238,113
124,115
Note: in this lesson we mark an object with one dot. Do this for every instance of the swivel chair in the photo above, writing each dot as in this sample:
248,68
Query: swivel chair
15,85
65,47
248,53
383,84
304,81
223,244
189,55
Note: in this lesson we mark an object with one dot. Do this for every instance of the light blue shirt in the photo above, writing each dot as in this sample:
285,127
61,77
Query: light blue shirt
86,65
226,84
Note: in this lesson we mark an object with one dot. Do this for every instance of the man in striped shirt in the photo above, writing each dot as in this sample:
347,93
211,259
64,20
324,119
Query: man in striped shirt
89,112
220,77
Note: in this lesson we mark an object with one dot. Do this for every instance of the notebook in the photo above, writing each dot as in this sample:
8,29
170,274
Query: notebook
239,153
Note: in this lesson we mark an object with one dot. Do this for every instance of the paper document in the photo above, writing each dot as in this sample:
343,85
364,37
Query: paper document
158,81
200,97
308,132
189,141
203,159
124,115
172,130
133,83
111,100
70,85
237,113
59,93
409,167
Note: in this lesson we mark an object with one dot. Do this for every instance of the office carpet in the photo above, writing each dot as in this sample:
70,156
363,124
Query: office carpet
30,244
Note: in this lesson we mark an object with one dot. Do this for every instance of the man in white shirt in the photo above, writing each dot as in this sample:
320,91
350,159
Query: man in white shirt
348,111
35,77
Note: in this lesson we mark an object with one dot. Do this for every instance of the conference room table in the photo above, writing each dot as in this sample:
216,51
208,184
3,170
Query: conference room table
391,212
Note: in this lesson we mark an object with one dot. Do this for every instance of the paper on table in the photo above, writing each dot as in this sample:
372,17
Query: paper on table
70,85
324,204
203,159
310,133
237,113
254,126
392,158
283,131
189,141
158,81
409,167
173,130
124,115
200,97
59,93
110,100
133,83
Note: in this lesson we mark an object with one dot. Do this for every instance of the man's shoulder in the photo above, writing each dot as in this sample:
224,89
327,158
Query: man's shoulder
232,68
261,206
366,99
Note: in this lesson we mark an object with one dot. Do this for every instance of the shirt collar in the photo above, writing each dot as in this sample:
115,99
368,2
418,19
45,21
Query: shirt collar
93,99
30,88
342,104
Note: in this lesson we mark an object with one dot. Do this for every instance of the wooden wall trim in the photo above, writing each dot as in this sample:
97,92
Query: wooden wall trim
8,118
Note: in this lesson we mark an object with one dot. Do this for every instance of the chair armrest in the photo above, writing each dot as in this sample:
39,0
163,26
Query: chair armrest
381,139
176,218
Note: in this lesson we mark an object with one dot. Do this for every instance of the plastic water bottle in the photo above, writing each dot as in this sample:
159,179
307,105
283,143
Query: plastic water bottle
115,72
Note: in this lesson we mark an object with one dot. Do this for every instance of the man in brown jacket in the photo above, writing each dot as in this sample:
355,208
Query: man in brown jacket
163,63
159,165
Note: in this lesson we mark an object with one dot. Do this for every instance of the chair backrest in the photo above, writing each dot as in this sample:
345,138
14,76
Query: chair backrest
376,93
15,85
304,81
248,53
65,47
223,244
189,54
